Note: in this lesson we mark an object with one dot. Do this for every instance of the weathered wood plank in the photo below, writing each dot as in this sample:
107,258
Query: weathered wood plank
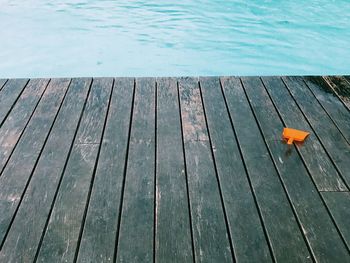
243,217
332,140
282,228
2,83
314,155
26,230
8,96
338,204
173,229
314,219
210,236
66,220
18,170
196,184
331,103
100,230
341,87
94,115
13,127
135,241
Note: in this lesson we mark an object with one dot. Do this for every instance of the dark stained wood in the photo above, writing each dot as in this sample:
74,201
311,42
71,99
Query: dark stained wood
135,241
2,83
174,170
243,217
314,155
210,236
100,229
341,87
26,230
286,239
331,103
9,94
173,230
314,219
20,115
332,140
62,233
94,115
18,170
338,204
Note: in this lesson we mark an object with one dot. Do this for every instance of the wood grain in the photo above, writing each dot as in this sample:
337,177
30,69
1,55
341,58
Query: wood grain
243,216
24,236
341,87
20,115
331,103
313,217
136,240
330,137
210,236
63,230
322,169
173,229
17,172
281,225
174,170
2,83
100,229
338,204
9,94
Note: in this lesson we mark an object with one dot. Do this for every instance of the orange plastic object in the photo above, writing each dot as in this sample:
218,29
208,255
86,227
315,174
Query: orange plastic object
294,135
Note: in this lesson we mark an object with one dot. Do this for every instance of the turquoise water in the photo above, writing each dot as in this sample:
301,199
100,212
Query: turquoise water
172,38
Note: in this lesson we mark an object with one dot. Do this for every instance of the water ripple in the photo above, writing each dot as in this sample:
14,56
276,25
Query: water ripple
154,38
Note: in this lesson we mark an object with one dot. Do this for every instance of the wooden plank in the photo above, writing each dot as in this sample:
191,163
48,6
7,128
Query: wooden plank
331,103
135,241
66,220
2,83
314,219
19,117
341,87
243,217
18,170
173,229
26,230
332,140
9,95
99,234
338,204
210,233
94,114
282,228
314,155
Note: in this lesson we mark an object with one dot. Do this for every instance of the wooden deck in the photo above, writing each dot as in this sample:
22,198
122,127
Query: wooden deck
174,170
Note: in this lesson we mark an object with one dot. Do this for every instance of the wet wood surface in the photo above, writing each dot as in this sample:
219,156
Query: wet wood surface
174,170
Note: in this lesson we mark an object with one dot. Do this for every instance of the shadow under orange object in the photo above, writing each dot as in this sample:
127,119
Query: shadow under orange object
294,135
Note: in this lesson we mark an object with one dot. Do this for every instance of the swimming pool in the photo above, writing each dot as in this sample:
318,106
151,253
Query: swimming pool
41,38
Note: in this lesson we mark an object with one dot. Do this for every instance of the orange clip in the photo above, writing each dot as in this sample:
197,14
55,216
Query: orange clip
294,135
